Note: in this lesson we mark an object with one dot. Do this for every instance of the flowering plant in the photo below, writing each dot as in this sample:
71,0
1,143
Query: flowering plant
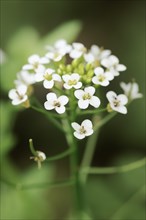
72,77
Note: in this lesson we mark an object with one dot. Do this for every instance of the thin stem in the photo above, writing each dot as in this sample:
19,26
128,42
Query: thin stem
87,112
61,155
67,182
115,170
49,117
31,146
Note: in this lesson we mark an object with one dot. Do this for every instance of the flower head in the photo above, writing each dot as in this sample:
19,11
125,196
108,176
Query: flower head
77,51
72,81
39,158
102,78
96,54
112,64
36,63
87,97
18,95
60,49
117,102
56,103
26,78
131,90
83,130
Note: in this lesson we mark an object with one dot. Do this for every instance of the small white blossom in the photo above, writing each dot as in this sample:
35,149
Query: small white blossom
117,102
39,158
56,103
83,130
18,95
24,77
112,64
72,81
77,51
96,54
102,78
131,90
36,63
87,97
60,49
49,76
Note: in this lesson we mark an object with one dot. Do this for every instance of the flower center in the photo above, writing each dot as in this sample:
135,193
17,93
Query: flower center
116,102
82,130
19,96
86,96
101,78
57,104
72,82
35,65
48,77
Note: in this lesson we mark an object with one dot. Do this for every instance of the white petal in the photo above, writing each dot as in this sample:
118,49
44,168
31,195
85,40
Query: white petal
66,77
49,71
78,135
109,75
12,94
78,85
123,99
48,84
66,86
98,71
60,43
95,80
22,89
89,58
51,96
87,123
95,50
78,46
89,132
39,77
60,109
83,104
50,55
95,101
48,105
104,83
19,101
56,77
105,53
90,90
114,60
63,99
111,96
75,76
121,67
75,54
106,63
44,60
34,58
79,93
75,126
122,109
27,67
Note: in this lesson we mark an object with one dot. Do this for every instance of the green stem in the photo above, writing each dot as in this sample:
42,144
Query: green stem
49,117
31,146
60,156
67,182
95,111
115,170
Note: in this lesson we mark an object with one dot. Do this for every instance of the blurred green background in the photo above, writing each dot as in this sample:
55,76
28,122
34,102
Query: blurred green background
26,26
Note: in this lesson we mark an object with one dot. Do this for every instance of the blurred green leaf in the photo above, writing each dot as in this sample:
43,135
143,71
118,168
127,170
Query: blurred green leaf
113,196
7,122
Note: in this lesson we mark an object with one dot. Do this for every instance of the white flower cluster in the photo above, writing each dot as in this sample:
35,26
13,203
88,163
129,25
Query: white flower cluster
72,74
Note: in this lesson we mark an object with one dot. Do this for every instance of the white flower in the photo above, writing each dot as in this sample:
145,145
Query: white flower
77,51
112,63
60,49
87,97
72,81
96,54
24,77
49,76
83,130
56,103
102,78
131,90
39,158
18,95
117,102
36,63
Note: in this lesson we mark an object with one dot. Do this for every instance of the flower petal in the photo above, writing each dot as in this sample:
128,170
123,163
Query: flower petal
95,101
51,96
123,99
48,105
78,135
98,70
79,93
90,90
75,126
48,84
87,124
60,109
111,96
83,104
63,99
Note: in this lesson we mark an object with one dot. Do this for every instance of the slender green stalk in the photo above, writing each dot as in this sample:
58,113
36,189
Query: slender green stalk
31,146
61,155
117,169
49,117
88,112
31,186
